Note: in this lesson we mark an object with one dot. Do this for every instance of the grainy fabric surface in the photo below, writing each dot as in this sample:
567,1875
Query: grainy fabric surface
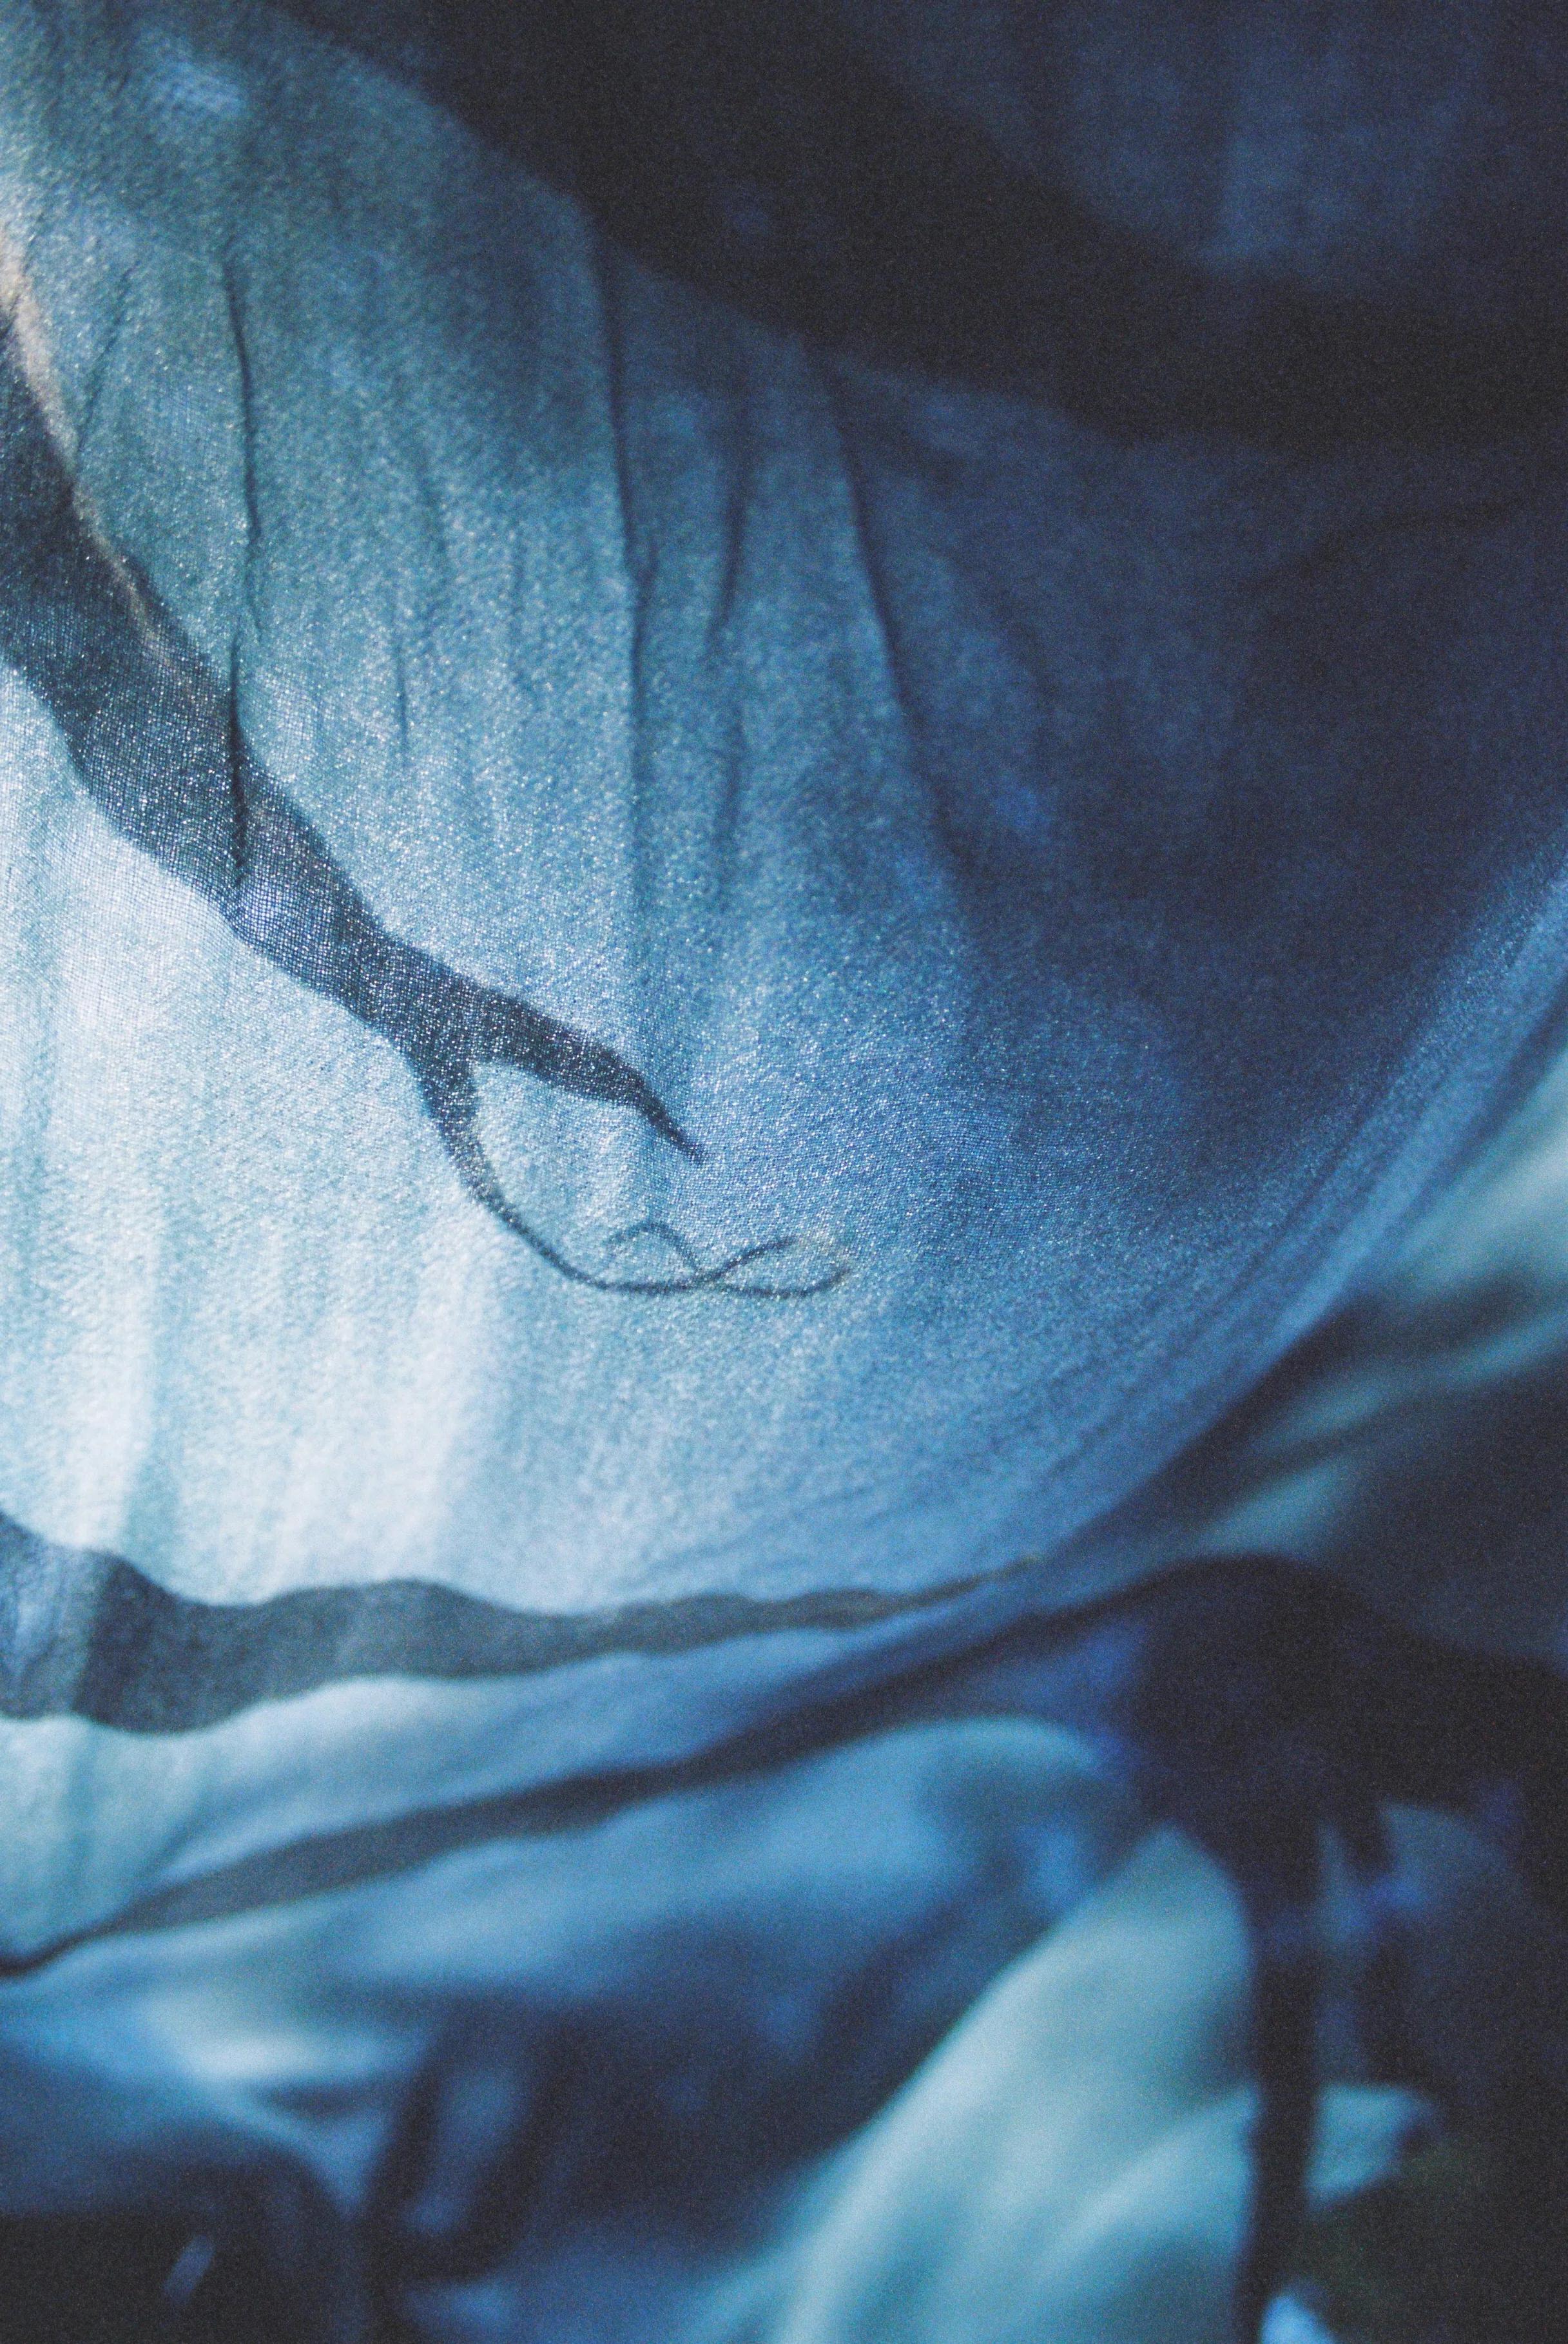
775,787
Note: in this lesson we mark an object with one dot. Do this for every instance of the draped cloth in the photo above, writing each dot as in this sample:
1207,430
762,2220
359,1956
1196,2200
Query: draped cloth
759,808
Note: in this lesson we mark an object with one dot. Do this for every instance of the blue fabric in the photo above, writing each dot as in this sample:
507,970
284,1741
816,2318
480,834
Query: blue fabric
770,780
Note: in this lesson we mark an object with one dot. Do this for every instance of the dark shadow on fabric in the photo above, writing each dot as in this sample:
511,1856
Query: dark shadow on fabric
758,154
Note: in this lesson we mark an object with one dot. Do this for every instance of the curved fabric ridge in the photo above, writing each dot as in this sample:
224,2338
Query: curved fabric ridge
1170,1682
89,1635
154,740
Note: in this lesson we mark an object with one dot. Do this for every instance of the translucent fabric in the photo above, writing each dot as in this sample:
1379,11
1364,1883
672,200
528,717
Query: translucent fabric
775,786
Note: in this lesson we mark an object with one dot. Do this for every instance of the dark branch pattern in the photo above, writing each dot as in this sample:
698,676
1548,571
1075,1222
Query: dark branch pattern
155,742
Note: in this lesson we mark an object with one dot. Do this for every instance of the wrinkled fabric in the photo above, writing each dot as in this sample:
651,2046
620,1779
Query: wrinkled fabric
1073,2162
706,957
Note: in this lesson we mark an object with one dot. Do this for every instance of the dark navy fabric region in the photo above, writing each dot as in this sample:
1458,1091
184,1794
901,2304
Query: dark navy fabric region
790,164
